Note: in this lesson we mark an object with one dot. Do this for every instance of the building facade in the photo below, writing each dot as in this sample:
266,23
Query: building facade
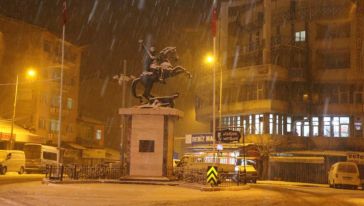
292,73
23,46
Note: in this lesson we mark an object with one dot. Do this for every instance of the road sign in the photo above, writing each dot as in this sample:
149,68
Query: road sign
212,175
227,136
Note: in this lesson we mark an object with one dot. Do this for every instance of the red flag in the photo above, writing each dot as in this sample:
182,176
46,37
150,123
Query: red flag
213,19
64,12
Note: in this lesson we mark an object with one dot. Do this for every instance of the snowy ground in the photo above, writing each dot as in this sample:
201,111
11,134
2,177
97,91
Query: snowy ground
35,193
14,177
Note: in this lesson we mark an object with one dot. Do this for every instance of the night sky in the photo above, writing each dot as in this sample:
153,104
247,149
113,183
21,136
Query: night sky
110,29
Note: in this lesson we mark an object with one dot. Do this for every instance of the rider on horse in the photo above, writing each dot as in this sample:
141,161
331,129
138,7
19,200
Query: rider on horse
154,61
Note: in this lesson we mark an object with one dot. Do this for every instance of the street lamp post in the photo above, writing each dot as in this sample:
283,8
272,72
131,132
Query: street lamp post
211,61
30,73
14,111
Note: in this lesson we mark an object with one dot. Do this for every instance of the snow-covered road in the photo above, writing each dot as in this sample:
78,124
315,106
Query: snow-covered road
35,193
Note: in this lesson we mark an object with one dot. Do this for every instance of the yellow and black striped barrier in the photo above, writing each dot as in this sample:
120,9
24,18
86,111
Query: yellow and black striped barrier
212,175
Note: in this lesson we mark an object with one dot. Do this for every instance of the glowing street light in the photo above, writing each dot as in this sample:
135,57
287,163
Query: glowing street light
209,59
31,73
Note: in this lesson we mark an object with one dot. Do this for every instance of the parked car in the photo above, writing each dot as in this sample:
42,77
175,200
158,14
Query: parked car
251,173
344,174
12,161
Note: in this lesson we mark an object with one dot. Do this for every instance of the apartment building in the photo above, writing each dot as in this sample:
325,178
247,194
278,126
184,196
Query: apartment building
23,46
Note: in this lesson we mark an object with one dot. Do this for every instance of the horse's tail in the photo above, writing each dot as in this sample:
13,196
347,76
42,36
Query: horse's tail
133,89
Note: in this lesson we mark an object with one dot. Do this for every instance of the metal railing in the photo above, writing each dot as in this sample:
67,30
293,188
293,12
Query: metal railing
82,172
225,179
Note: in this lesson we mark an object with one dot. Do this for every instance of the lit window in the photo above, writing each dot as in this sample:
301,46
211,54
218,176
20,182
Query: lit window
69,103
258,124
289,124
344,126
315,126
270,123
277,124
250,124
306,127
54,125
298,128
300,36
327,126
98,134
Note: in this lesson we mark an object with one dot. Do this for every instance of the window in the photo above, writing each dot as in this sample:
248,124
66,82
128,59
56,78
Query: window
146,145
358,128
315,126
341,126
270,123
250,124
54,125
258,124
42,123
69,103
300,36
336,60
327,126
344,94
49,156
344,126
260,90
55,101
358,95
289,124
277,124
299,128
306,127
98,134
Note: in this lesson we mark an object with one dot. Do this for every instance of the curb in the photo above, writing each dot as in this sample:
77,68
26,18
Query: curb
46,181
191,186
233,188
293,184
204,188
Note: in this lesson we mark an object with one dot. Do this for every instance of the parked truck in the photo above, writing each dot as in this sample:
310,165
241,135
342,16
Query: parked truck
192,166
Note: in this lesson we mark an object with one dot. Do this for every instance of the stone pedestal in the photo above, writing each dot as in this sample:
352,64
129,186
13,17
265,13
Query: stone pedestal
147,142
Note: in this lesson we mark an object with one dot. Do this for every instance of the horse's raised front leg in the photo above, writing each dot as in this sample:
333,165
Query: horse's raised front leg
178,70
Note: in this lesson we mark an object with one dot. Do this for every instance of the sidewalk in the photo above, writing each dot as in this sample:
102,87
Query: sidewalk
298,184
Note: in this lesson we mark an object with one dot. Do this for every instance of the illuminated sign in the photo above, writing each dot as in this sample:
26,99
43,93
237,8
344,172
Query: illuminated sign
204,138
6,136
227,136
355,157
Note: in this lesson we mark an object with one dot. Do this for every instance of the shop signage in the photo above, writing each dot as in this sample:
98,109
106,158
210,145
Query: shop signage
6,136
204,138
227,136
355,157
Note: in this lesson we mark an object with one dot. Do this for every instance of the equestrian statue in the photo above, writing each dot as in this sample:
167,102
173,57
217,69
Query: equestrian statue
159,68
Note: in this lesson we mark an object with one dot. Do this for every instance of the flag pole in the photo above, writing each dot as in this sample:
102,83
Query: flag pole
213,30
61,87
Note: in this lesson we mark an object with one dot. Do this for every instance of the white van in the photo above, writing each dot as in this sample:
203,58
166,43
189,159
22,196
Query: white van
344,174
38,157
12,161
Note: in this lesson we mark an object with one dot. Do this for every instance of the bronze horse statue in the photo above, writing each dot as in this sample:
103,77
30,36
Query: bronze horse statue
162,70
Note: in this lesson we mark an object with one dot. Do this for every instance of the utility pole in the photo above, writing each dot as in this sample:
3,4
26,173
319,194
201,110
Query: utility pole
123,138
14,111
